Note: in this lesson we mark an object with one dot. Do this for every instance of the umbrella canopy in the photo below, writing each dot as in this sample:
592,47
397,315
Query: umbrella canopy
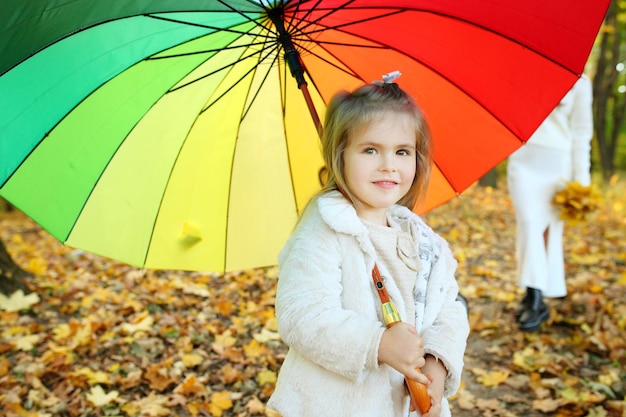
171,134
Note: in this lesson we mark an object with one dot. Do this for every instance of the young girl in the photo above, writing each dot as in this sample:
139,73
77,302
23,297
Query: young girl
342,360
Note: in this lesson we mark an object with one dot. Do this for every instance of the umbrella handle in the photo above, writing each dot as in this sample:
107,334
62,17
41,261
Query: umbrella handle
418,393
420,400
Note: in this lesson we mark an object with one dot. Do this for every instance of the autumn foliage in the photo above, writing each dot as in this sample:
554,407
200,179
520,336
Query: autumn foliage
577,203
99,338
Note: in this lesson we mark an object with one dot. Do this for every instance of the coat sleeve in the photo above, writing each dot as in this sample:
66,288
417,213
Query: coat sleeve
581,123
446,336
309,309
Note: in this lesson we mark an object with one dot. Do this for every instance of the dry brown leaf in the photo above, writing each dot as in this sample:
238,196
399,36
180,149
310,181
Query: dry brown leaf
548,405
190,387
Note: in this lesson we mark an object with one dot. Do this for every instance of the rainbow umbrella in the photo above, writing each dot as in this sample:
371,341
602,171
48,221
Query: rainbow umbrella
185,134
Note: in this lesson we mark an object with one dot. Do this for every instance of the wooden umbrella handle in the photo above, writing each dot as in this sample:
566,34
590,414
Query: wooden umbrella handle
420,400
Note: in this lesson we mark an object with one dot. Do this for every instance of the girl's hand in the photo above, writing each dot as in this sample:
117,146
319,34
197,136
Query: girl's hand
435,408
402,348
437,375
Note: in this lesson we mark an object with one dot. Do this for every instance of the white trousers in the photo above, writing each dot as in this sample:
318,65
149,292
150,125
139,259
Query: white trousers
534,175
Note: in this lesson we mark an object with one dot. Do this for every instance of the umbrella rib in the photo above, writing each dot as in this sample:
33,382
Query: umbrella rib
256,94
214,72
233,85
308,13
351,23
255,21
271,50
204,51
216,28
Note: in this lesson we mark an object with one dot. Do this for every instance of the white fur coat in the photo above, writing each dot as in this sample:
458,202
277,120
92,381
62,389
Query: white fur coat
328,313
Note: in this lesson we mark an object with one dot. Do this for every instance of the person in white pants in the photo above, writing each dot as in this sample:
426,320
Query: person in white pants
558,151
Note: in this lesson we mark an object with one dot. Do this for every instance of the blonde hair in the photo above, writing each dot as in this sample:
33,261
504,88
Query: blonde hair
349,111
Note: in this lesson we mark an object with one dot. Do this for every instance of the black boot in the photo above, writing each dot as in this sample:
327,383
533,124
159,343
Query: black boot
533,311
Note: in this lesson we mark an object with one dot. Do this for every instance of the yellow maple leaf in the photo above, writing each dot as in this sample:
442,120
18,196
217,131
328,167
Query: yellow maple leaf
191,359
55,353
62,331
144,325
531,359
93,378
82,337
26,343
220,401
254,349
266,377
493,379
265,336
37,266
131,409
223,341
18,301
13,331
99,398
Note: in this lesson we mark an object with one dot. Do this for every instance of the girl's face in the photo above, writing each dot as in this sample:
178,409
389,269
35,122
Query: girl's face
380,164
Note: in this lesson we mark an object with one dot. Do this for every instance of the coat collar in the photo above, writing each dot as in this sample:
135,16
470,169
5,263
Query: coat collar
339,214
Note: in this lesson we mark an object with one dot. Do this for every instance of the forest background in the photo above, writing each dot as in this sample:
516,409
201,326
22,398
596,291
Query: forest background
82,335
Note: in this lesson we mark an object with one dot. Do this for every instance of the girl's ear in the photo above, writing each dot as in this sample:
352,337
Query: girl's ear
322,176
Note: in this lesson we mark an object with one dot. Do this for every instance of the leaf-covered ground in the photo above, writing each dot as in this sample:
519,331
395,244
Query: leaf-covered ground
98,338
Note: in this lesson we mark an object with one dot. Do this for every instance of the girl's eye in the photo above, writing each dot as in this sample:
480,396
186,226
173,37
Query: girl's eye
403,152
369,150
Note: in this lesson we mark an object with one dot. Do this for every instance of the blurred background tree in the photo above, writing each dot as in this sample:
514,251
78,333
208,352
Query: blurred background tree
607,67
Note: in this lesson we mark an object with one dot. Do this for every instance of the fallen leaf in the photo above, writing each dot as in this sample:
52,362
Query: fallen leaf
93,378
492,379
18,301
255,406
191,360
266,377
144,325
190,386
220,401
26,343
99,398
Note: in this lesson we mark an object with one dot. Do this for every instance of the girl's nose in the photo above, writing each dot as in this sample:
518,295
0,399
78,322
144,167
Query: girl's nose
387,163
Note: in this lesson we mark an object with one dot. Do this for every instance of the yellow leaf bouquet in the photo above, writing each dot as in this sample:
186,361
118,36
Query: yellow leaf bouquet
576,202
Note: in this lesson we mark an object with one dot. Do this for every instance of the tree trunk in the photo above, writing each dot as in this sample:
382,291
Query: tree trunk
5,205
490,179
609,102
12,277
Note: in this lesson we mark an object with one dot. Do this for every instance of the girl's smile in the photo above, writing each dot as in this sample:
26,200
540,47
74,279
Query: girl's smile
386,184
